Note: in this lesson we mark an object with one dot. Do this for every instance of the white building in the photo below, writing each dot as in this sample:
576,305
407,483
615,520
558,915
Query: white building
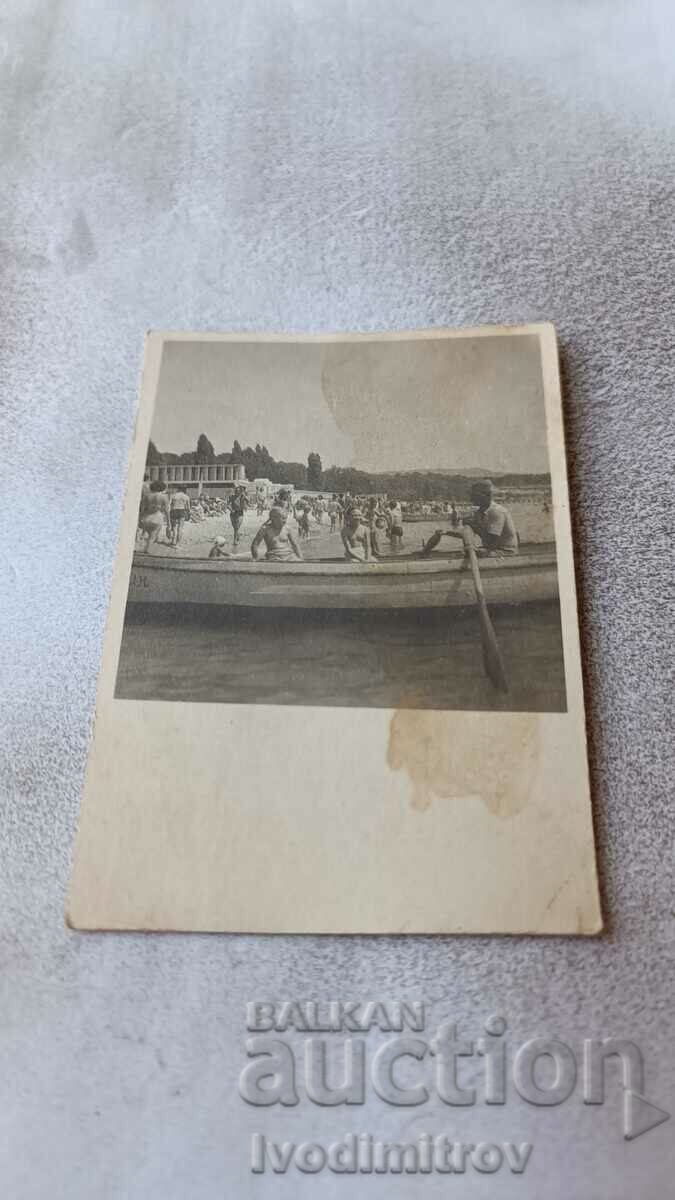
216,479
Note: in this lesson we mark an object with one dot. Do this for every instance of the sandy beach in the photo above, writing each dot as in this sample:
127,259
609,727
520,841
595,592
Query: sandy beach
533,524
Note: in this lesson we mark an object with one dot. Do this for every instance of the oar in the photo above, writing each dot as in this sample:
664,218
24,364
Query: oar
435,538
492,658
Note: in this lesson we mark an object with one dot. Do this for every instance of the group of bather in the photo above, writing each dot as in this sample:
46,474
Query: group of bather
163,510
365,523
362,526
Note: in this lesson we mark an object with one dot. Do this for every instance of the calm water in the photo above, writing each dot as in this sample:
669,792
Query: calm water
408,659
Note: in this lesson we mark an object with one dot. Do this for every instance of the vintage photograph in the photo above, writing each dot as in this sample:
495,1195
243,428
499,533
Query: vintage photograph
358,522
342,641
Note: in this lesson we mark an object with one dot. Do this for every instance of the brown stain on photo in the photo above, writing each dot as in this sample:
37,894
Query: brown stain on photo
451,756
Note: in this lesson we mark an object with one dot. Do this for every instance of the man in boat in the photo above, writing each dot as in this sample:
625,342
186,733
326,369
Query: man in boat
356,536
492,522
276,536
238,506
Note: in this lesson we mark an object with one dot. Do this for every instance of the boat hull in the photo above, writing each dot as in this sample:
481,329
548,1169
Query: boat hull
434,582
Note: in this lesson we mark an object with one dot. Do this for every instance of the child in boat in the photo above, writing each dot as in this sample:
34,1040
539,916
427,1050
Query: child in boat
356,537
277,538
218,549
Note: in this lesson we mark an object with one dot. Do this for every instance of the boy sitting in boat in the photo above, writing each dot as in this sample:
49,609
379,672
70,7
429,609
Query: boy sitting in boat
218,549
356,537
279,541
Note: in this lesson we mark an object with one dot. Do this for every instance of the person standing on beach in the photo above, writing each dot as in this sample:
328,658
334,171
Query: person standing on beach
378,530
302,517
333,513
145,493
395,525
156,514
145,490
238,506
180,511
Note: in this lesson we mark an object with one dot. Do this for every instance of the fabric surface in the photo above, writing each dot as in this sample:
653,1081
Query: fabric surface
306,166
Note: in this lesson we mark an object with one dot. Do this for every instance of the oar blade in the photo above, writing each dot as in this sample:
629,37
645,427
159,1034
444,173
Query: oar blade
435,538
492,658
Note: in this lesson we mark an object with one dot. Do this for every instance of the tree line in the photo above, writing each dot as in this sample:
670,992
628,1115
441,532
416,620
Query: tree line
258,463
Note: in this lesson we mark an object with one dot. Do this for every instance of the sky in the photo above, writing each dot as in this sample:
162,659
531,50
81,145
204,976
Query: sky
448,403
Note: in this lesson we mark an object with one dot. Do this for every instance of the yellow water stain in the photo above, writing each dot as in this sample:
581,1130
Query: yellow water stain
453,756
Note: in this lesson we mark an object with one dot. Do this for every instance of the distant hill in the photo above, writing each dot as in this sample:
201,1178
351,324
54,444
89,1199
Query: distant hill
424,485
463,472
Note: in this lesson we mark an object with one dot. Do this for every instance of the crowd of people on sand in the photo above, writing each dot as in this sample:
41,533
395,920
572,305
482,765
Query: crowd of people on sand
365,524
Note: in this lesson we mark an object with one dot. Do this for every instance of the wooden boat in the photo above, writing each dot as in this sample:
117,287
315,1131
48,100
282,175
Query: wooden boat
441,580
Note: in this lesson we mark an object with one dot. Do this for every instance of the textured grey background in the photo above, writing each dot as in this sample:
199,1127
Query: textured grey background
373,164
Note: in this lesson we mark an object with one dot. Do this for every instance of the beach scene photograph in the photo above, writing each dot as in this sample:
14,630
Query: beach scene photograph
363,522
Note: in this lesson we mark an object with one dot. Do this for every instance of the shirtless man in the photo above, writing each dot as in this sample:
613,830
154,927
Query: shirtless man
355,537
278,539
492,522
